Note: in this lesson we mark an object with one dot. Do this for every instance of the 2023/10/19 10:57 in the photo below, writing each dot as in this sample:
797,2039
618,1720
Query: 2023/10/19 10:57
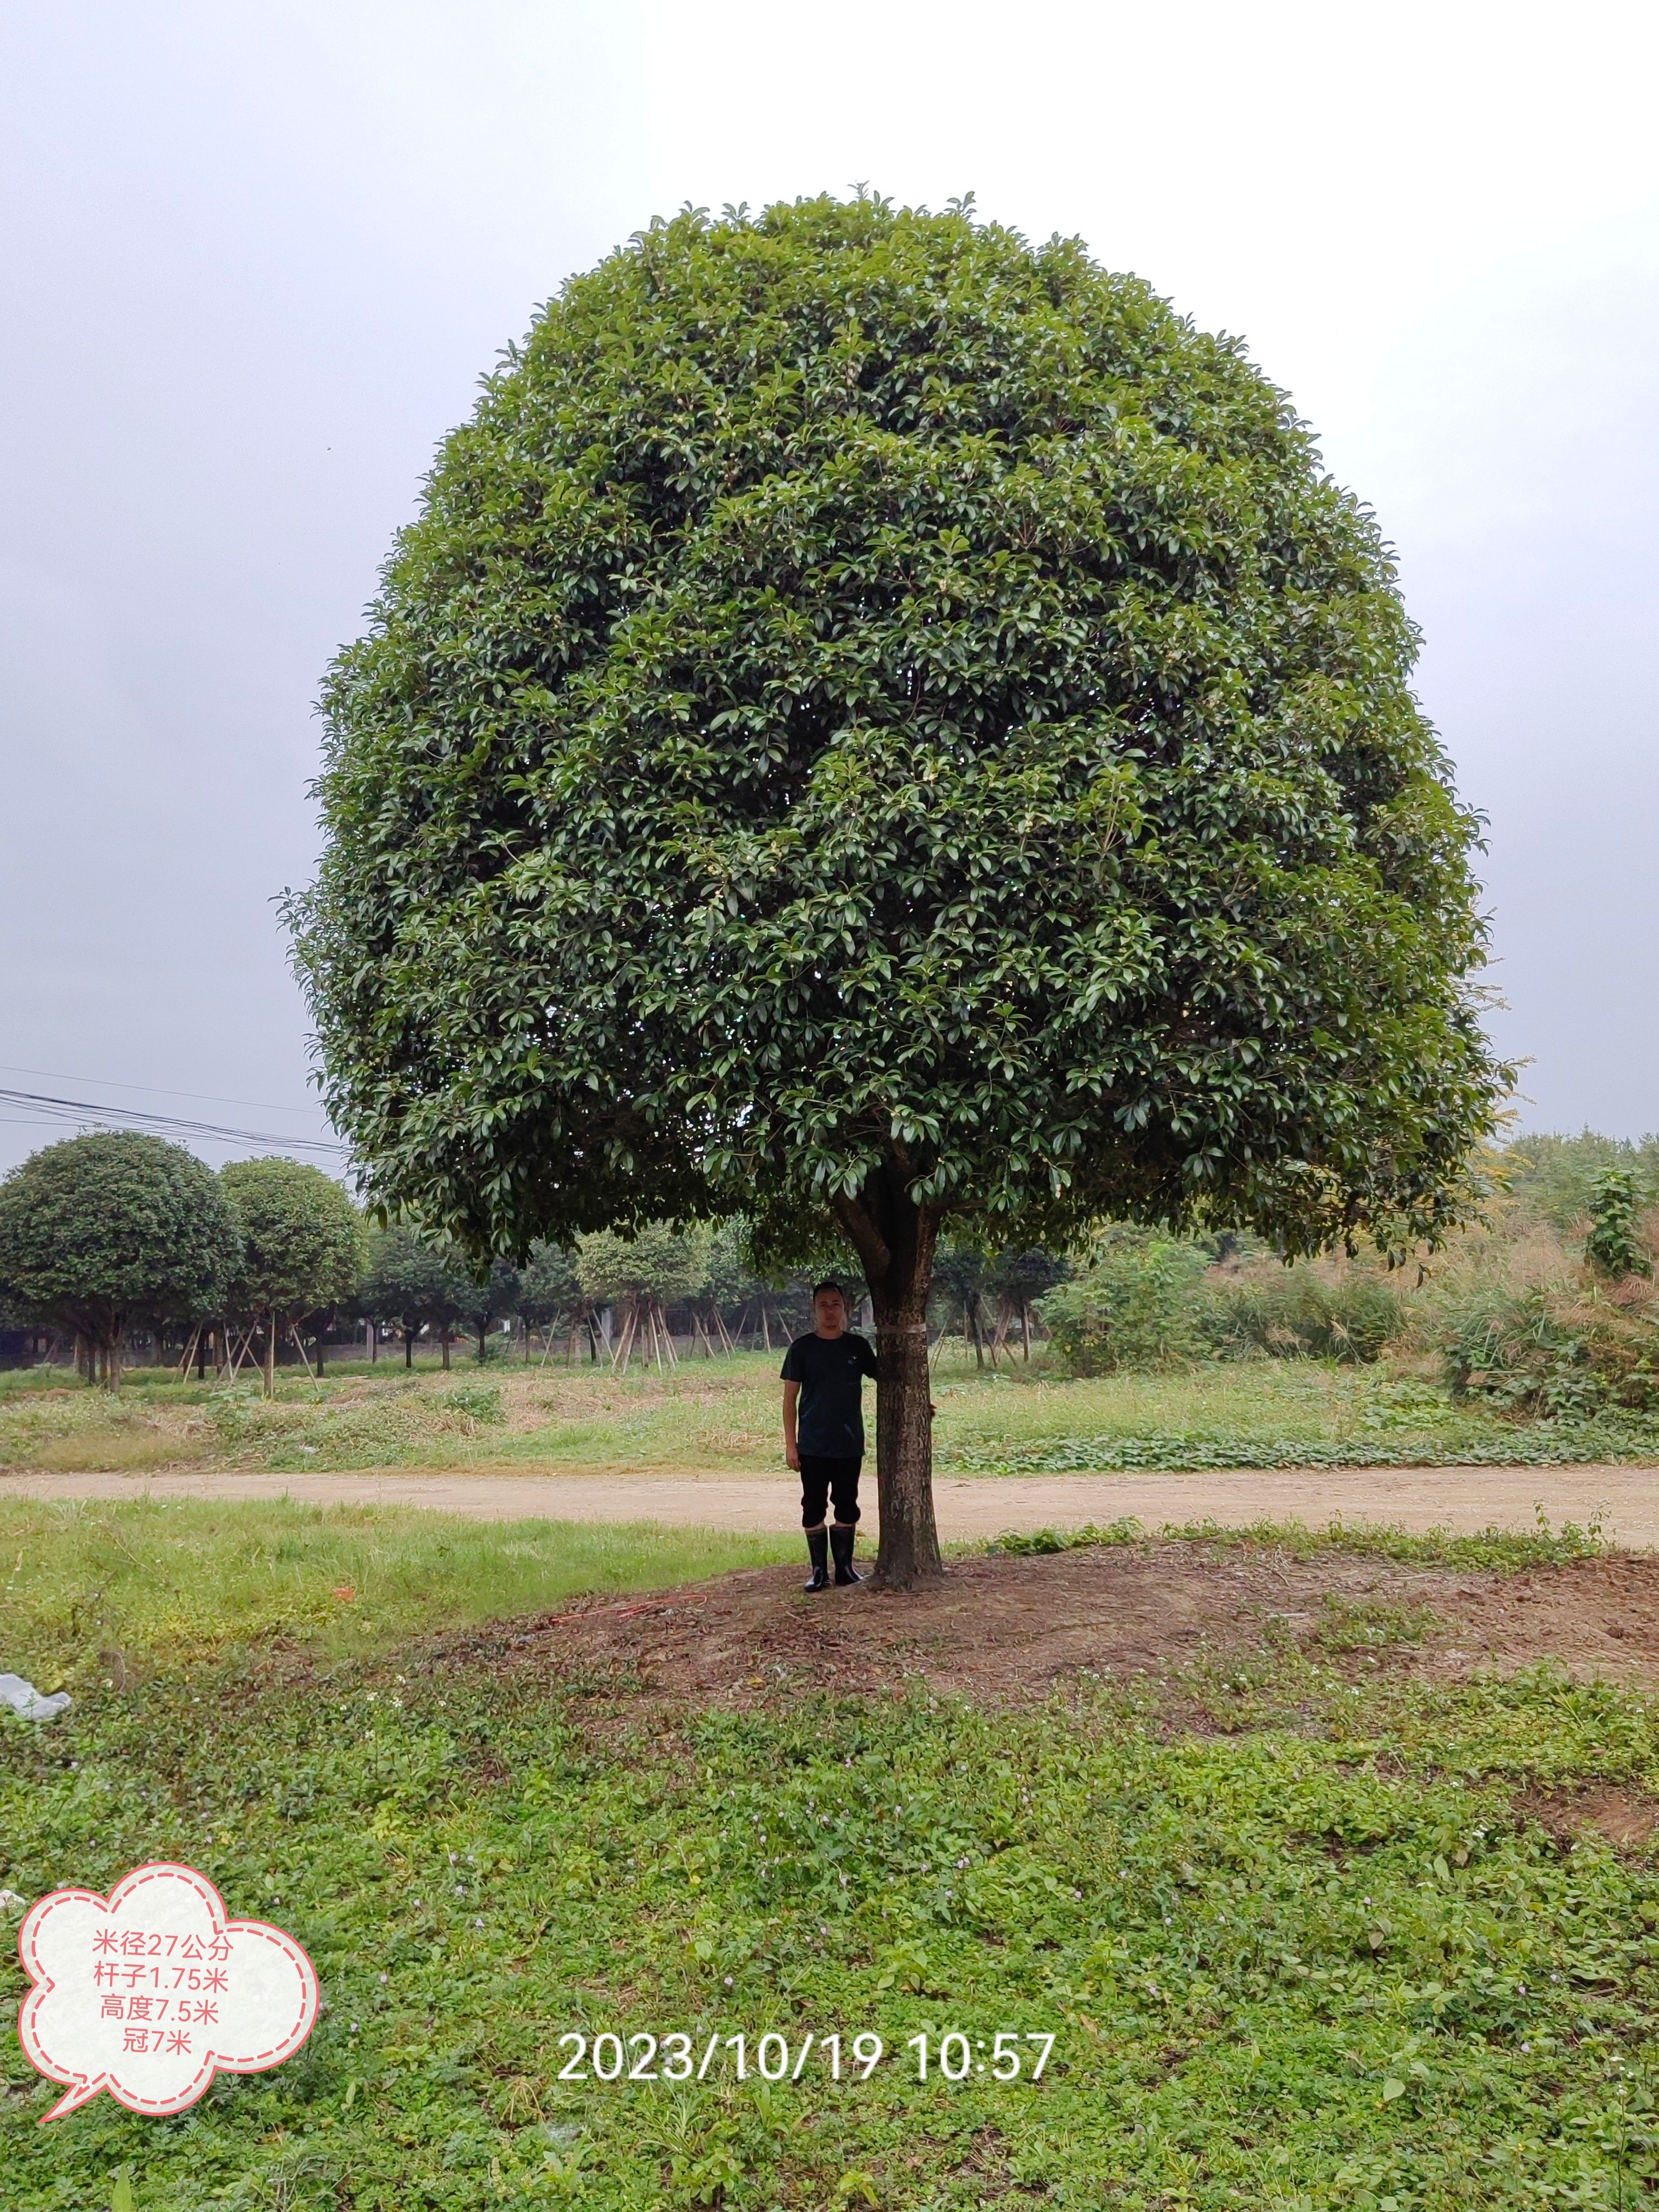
774,2056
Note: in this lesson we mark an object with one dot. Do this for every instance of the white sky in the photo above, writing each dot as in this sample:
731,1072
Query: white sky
254,258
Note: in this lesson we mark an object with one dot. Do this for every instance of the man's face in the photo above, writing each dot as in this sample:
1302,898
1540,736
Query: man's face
830,1313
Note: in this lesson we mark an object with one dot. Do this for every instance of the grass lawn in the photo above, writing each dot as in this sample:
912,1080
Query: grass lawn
96,1591
1292,1919
724,1415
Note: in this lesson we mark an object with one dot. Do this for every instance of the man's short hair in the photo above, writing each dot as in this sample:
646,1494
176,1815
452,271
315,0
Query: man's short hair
828,1284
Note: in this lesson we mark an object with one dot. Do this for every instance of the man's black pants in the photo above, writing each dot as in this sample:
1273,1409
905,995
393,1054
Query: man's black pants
823,1478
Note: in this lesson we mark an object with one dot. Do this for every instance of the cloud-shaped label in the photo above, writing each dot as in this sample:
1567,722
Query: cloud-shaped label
150,1991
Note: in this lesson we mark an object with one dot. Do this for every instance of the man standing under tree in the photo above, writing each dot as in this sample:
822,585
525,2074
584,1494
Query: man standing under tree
823,1430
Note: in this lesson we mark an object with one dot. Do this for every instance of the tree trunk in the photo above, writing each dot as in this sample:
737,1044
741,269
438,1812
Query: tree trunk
1025,1328
481,1344
409,1346
444,1336
894,1238
270,1355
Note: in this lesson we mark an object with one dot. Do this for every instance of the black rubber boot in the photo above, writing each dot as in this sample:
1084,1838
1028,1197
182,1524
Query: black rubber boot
840,1543
817,1544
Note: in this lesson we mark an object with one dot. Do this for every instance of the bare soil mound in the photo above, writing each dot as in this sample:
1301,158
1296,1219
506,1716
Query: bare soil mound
1000,1629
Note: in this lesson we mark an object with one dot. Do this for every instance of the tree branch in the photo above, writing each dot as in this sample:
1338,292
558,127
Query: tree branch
867,1240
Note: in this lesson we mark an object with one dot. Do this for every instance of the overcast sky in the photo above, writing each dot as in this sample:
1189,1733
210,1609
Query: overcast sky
255,257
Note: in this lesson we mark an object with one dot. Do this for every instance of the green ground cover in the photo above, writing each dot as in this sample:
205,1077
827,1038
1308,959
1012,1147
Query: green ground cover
1299,1939
723,1414
96,1590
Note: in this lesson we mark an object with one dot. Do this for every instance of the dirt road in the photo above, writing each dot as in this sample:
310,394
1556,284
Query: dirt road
1625,1499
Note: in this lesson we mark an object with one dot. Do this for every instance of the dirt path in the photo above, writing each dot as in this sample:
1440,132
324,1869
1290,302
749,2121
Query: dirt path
1625,1499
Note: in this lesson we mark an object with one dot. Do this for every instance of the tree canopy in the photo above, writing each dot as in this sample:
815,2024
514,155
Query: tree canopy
658,1261
302,1238
548,1289
101,1231
303,1244
1022,1275
877,720
482,1302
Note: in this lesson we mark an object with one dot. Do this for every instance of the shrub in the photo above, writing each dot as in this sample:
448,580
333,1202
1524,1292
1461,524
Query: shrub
1294,1313
479,1401
1557,1348
1613,1244
1136,1307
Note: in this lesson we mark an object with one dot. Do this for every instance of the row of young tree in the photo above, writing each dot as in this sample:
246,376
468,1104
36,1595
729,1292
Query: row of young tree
102,1236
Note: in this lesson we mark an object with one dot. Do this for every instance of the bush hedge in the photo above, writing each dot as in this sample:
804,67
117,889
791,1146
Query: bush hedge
1138,1306
1151,1302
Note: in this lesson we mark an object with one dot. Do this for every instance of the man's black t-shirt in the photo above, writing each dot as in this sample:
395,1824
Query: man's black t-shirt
830,1369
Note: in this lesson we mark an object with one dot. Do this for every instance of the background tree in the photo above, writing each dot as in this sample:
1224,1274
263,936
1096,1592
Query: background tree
959,1273
728,1286
1018,1278
483,1304
659,1265
1555,1176
775,1301
412,1283
102,1231
550,1295
302,1245
878,722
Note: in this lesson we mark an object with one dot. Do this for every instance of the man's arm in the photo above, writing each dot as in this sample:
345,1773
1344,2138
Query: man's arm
790,1450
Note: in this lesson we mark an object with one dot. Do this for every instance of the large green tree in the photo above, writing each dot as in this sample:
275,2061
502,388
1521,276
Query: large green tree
102,1231
302,1245
877,721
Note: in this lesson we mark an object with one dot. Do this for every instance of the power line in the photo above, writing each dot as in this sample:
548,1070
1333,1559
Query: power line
154,1089
82,1110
